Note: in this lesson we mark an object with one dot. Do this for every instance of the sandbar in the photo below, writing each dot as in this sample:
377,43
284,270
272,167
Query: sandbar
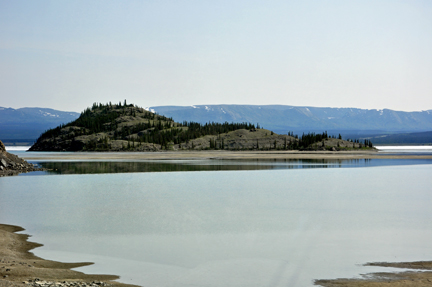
221,155
412,277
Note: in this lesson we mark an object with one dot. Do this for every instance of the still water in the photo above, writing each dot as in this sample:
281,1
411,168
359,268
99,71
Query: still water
267,226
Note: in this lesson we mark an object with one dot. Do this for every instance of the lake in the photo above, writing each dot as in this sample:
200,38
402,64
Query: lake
226,223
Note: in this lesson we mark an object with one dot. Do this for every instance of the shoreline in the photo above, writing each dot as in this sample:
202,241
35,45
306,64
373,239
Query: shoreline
20,267
222,155
419,274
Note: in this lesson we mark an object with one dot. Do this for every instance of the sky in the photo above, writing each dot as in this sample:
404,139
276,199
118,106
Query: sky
67,55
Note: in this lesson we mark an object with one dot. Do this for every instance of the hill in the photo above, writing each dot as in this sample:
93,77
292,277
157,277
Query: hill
26,124
131,128
351,122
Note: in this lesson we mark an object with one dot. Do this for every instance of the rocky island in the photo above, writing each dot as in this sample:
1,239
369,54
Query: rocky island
126,127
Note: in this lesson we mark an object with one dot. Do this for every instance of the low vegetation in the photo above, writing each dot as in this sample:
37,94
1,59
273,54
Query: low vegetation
125,127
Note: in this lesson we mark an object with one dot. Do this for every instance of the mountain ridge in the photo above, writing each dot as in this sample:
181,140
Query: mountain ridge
283,118
28,123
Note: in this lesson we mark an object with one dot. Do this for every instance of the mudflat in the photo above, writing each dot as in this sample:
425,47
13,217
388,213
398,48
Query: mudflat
18,266
222,154
392,279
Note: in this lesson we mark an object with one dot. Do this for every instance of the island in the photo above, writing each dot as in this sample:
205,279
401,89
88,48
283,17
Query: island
127,127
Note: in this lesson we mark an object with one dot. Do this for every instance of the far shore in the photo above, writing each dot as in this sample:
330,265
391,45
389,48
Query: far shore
221,155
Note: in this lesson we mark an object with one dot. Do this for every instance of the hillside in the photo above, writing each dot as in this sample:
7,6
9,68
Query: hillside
130,128
26,124
281,119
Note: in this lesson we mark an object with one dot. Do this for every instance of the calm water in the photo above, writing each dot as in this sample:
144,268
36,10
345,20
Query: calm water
271,226
115,166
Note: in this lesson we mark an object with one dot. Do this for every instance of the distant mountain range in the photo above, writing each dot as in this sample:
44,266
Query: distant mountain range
27,124
403,138
282,119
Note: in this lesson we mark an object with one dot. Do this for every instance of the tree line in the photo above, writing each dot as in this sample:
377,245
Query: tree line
161,130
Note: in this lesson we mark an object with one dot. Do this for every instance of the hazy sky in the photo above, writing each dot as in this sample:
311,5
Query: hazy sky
68,54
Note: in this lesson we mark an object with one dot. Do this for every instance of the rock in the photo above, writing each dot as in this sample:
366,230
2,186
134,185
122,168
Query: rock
11,164
42,283
2,147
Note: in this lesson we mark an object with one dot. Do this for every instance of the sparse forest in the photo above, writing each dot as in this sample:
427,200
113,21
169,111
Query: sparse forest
105,127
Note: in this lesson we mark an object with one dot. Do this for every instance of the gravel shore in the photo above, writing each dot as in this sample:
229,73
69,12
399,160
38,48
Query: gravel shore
20,267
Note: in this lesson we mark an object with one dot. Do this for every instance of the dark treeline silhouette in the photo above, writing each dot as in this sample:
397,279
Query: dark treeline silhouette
306,140
311,138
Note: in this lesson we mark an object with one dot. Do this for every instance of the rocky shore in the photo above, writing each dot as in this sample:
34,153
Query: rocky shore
11,164
42,283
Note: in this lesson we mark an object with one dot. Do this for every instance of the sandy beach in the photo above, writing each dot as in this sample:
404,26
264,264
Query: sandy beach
220,154
19,267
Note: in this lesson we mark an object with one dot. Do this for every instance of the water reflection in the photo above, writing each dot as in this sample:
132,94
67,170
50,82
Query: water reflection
112,166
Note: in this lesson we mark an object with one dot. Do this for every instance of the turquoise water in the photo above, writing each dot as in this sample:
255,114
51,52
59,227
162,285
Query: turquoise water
265,227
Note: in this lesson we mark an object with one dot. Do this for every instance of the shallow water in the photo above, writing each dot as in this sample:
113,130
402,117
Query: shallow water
129,166
270,227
